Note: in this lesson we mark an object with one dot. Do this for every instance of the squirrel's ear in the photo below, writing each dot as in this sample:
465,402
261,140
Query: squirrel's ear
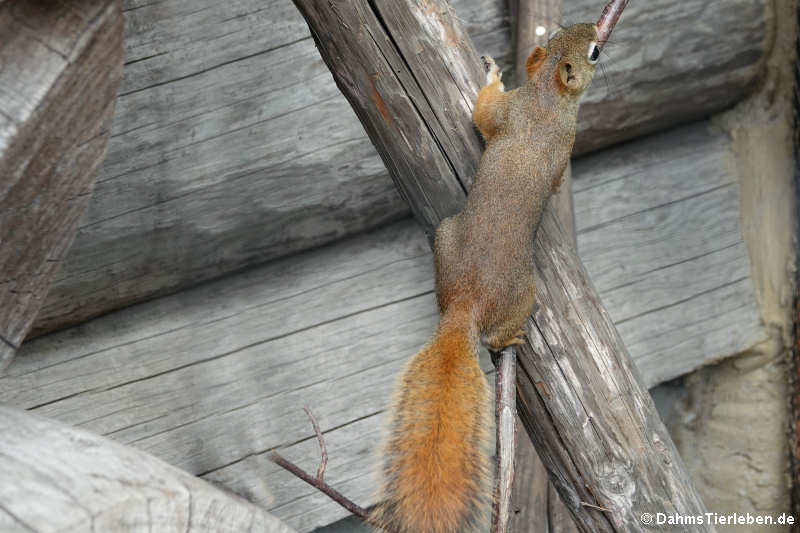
535,60
567,82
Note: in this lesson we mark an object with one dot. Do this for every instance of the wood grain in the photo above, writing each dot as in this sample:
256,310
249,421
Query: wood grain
232,146
641,281
660,45
61,68
505,409
210,380
69,480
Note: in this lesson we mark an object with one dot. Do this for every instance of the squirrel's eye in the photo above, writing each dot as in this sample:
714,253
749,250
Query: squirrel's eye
594,53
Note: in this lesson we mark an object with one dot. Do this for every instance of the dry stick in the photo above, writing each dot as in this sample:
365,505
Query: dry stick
410,72
505,414
318,482
323,450
608,19
321,486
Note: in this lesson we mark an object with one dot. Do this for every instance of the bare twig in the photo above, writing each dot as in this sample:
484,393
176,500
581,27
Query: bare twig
319,482
323,450
322,486
593,506
608,19
506,413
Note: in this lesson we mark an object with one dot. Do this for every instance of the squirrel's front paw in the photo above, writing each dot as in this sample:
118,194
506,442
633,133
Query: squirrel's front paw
492,70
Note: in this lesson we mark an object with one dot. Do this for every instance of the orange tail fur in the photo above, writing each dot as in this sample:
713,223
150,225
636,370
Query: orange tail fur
436,460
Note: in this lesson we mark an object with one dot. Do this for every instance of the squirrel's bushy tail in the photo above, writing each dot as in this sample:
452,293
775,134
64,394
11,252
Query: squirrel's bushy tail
436,458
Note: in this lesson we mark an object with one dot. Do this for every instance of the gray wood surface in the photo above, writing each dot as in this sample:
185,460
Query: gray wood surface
61,479
213,378
661,65
505,440
407,51
672,207
60,70
233,146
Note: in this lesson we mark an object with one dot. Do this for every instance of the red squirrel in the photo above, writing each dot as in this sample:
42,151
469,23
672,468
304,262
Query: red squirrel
436,458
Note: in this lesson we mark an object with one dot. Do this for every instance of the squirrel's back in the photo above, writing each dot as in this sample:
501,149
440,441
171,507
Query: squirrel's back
436,459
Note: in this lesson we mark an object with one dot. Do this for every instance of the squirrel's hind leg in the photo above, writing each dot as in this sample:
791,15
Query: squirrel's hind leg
505,329
557,183
496,343
492,104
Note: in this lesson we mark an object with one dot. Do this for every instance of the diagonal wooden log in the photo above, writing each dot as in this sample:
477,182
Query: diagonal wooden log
59,478
411,74
60,67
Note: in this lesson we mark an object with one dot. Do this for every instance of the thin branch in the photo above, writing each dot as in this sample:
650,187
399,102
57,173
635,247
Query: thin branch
506,414
608,19
323,450
593,506
323,487
319,482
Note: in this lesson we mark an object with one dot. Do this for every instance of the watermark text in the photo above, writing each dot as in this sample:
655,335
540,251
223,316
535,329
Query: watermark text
717,519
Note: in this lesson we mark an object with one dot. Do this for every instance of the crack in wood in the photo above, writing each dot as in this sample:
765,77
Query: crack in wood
607,223
8,343
286,445
679,302
17,519
213,67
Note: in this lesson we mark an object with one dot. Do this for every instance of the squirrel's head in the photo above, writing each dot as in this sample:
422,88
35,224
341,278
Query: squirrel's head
574,53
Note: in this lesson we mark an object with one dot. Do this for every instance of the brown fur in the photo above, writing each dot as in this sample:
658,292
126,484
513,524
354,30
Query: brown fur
436,462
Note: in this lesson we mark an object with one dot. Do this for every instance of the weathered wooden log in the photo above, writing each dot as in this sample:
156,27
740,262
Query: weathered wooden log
537,506
231,139
61,66
531,489
410,73
58,478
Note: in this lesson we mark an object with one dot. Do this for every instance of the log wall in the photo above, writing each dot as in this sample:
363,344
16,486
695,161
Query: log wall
232,145
213,378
